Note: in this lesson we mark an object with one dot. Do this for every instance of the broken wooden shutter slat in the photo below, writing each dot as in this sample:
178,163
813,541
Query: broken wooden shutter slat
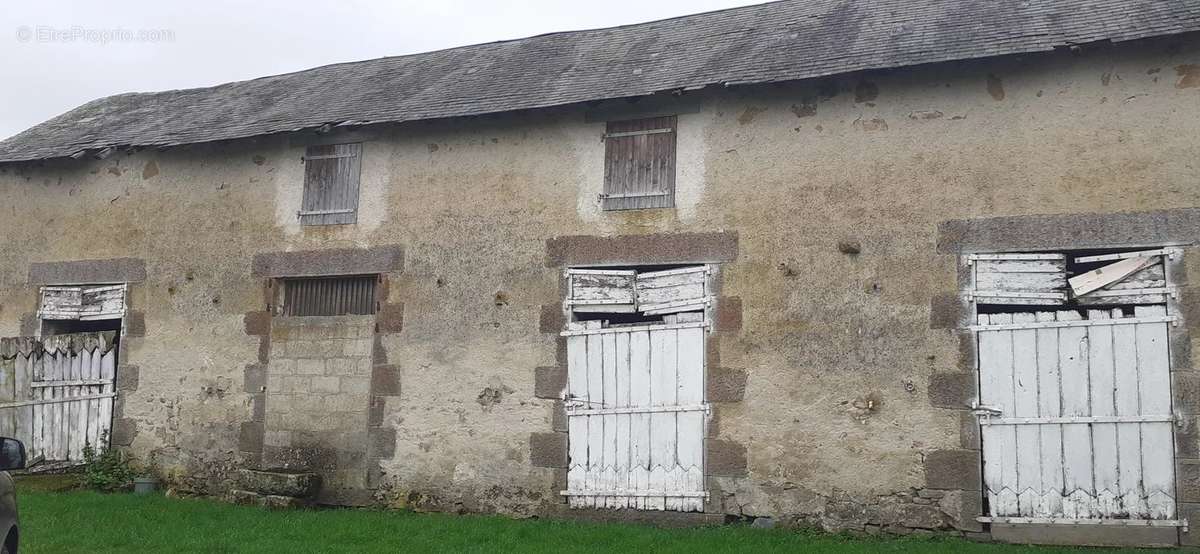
673,290
593,290
1110,274
1019,278
331,182
1144,286
639,164
1171,252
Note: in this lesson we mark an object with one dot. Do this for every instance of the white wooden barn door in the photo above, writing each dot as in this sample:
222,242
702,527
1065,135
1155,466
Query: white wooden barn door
636,415
56,395
1076,417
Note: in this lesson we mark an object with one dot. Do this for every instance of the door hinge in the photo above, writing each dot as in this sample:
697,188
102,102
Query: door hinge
980,410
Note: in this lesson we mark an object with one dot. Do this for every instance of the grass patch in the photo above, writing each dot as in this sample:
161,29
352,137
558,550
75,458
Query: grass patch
96,522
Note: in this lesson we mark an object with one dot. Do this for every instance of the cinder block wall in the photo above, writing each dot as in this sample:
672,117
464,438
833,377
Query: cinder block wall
317,398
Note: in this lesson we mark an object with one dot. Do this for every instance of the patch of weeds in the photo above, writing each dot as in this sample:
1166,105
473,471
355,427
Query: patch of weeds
107,470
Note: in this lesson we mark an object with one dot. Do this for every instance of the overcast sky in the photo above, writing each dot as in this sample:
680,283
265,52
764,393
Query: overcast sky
55,56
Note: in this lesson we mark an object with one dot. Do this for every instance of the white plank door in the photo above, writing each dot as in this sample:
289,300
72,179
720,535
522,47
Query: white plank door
1076,417
636,415
63,397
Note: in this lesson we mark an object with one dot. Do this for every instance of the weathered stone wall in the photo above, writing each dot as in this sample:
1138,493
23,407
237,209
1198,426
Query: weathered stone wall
318,380
837,372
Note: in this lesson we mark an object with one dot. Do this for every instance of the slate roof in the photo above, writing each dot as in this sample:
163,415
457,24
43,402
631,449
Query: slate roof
779,41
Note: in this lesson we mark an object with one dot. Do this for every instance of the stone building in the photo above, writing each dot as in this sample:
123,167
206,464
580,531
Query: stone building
774,261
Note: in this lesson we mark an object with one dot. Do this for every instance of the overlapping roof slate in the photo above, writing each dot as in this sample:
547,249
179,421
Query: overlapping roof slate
778,41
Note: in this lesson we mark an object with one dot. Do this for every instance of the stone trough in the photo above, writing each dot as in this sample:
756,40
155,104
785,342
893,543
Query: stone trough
276,488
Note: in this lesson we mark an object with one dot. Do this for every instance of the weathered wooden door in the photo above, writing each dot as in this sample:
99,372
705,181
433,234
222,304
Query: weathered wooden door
56,394
636,415
1076,417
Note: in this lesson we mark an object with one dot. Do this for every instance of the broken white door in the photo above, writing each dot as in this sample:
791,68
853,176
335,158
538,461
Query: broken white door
56,395
636,414
1076,417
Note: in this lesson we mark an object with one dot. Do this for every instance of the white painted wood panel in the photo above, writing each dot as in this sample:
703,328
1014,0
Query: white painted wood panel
577,427
663,432
672,291
1081,427
1131,495
995,364
1019,279
690,390
1025,404
1079,496
1049,395
1154,369
640,391
594,290
82,302
62,396
1102,383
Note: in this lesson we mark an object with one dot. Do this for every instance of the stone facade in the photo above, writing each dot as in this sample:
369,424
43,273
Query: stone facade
839,375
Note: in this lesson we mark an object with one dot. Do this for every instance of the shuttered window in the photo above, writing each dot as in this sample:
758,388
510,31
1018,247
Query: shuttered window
639,164
329,296
331,175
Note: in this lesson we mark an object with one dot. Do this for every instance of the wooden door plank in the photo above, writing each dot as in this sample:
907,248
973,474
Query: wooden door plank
108,365
1025,404
1049,405
93,372
690,391
996,390
39,439
1102,381
1131,497
607,462
60,374
78,422
1158,450
639,396
577,428
595,370
1079,501
663,432
21,391
624,422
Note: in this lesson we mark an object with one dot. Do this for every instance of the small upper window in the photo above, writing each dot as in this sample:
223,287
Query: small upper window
331,184
639,164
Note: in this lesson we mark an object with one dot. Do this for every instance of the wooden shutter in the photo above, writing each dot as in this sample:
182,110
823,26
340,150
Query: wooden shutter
639,164
600,290
331,174
673,290
82,302
636,415
1076,417
1019,279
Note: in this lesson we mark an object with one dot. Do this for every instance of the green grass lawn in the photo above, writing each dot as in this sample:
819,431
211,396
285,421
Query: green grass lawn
65,522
